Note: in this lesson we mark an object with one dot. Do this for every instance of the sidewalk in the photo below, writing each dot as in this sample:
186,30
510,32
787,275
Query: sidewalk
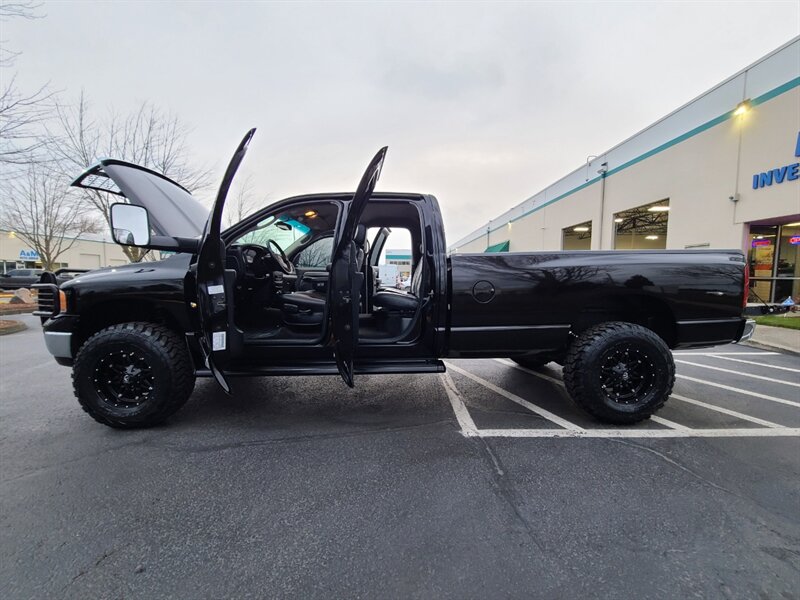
778,339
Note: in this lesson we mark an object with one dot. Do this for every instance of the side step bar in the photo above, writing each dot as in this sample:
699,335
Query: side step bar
328,368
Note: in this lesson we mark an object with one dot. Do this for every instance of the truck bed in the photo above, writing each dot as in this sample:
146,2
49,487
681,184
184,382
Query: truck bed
519,302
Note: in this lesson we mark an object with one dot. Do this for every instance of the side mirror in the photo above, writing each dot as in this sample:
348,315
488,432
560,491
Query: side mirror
130,224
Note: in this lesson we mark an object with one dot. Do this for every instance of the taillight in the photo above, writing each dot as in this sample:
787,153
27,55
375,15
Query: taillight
746,293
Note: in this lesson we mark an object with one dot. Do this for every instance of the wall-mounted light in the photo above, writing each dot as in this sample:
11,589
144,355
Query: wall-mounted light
651,237
658,209
742,108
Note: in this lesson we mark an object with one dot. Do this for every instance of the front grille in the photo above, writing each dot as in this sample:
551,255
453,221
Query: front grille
48,299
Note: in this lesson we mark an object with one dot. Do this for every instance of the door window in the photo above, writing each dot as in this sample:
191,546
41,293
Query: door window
316,255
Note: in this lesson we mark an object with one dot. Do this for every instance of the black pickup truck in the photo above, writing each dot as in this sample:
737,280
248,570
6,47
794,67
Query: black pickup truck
235,302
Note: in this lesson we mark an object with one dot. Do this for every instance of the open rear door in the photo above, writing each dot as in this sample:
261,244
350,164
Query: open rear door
220,339
346,280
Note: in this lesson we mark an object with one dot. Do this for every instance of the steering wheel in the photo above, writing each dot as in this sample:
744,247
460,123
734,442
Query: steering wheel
253,256
280,257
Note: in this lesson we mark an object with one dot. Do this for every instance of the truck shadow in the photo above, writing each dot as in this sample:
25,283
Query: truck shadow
379,401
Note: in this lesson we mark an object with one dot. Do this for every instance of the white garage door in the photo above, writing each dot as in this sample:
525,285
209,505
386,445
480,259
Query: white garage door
90,261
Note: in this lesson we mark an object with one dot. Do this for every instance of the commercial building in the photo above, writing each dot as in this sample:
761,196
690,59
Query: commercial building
722,171
88,252
401,258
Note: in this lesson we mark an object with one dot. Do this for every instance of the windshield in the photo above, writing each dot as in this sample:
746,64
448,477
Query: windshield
283,230
293,226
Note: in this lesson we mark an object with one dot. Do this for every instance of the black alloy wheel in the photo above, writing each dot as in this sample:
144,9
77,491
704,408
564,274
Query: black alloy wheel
627,373
124,378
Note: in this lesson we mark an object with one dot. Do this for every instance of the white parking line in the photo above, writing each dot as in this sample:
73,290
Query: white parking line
668,423
468,427
739,390
560,383
514,398
752,362
761,377
676,430
641,433
725,411
656,418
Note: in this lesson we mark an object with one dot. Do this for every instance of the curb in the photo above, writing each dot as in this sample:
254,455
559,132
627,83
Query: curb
771,347
18,326
18,311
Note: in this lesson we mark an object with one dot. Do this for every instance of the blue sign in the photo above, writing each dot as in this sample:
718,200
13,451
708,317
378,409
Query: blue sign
28,255
780,174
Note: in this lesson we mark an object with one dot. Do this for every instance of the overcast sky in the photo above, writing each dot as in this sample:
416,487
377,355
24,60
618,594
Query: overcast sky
480,104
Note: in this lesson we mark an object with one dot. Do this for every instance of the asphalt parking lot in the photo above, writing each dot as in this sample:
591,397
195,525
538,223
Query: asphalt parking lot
481,483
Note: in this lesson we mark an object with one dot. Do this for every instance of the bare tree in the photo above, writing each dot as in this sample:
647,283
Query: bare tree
40,210
242,202
19,111
317,254
21,9
19,115
146,136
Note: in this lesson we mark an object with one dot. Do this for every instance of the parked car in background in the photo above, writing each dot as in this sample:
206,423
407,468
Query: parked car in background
25,278
20,278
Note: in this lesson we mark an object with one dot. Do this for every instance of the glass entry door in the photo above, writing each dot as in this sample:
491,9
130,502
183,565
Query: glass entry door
774,262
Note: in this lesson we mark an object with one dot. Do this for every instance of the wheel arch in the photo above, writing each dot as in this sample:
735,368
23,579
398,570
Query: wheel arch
114,312
647,311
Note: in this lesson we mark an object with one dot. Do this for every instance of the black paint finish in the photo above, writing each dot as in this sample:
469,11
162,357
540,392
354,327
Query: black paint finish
474,304
690,297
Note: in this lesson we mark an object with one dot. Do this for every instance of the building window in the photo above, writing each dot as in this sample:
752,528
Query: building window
774,262
643,227
577,237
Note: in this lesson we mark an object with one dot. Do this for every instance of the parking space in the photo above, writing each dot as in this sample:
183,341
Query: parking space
483,482
728,392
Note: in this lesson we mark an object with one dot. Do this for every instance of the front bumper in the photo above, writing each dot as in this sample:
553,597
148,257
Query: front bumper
58,337
59,343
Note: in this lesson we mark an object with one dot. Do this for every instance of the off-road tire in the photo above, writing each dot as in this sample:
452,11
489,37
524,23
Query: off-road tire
587,366
166,356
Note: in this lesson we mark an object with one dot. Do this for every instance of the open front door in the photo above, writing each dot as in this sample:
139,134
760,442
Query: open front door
346,280
220,340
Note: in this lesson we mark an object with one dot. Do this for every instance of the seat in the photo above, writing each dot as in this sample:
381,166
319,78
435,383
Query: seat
307,307
303,308
398,300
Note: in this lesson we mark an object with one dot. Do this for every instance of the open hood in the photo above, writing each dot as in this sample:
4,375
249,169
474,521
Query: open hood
173,211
